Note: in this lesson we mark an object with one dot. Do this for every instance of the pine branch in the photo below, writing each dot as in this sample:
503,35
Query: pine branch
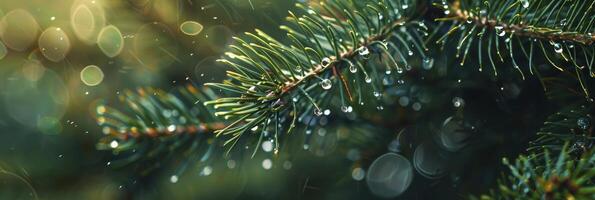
526,29
275,82
570,125
561,177
158,126
533,28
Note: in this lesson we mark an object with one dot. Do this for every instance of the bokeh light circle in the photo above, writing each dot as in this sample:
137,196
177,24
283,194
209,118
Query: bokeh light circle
54,44
37,103
18,30
87,18
452,135
110,41
92,75
83,22
389,175
191,28
429,161
15,186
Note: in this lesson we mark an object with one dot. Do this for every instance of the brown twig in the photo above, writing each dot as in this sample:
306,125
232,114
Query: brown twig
349,54
153,132
523,29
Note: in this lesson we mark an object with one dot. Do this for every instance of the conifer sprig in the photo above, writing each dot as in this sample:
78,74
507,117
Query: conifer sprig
156,125
329,49
557,177
515,30
570,125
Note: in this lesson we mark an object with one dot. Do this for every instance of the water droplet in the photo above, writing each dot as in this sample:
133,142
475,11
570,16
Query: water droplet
346,109
327,112
171,128
173,179
377,94
114,144
557,47
368,79
207,170
458,102
325,62
563,22
287,165
416,106
267,146
352,68
267,164
404,101
326,84
410,53
231,164
525,3
404,6
583,123
317,112
358,174
363,51
500,31
428,63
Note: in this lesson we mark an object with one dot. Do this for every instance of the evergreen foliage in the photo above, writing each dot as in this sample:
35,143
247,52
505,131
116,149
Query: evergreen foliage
336,53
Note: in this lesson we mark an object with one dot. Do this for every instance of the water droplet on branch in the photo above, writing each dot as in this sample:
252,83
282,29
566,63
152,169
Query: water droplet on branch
500,31
583,123
557,47
326,84
428,63
363,51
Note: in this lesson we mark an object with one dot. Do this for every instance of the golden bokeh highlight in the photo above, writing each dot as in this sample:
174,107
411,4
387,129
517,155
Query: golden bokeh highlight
191,28
110,41
87,18
19,30
54,44
82,22
92,75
